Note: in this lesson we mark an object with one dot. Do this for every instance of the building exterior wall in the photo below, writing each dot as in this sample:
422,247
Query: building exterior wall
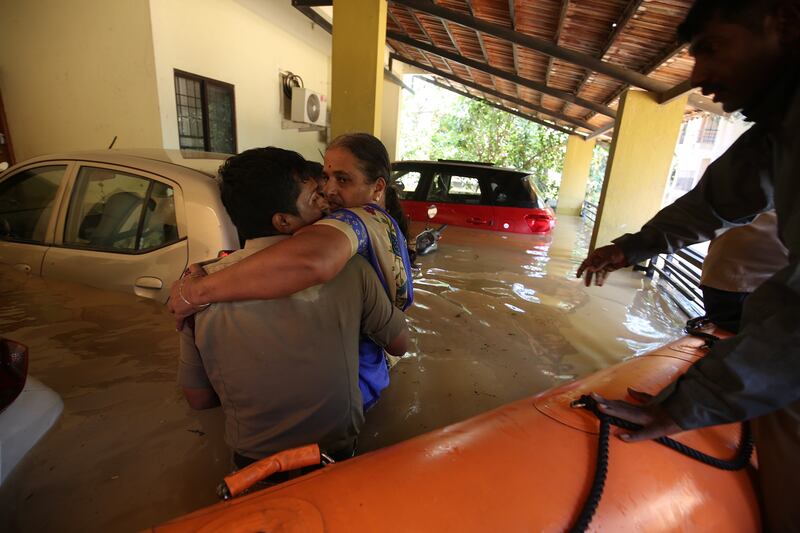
694,151
245,43
390,117
75,74
390,114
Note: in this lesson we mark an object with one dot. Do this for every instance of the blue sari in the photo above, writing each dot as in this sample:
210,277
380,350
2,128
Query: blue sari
376,236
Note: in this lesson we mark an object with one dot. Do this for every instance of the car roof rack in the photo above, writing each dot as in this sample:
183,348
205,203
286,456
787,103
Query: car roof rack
483,163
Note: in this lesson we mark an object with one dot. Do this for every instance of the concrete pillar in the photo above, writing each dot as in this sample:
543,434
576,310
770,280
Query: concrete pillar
638,164
575,176
390,117
359,38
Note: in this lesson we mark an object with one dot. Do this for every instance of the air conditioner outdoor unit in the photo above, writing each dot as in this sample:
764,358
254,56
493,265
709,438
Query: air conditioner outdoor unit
308,106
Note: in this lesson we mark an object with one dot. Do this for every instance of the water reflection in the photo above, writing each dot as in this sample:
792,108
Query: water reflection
503,317
497,318
112,358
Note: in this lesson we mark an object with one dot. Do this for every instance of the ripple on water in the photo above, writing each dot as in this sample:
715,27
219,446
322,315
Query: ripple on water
501,317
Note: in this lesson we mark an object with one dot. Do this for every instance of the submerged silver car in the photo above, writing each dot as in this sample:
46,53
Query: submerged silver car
126,220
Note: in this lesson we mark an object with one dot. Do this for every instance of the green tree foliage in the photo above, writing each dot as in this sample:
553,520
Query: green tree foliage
459,128
597,173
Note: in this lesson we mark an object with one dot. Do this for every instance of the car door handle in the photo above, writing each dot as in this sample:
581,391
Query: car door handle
148,282
23,267
476,220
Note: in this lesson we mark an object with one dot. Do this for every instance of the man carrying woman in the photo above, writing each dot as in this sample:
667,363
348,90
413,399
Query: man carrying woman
284,370
357,174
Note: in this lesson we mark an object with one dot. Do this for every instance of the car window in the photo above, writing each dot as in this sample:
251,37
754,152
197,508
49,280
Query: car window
536,189
119,212
513,191
437,192
454,189
408,182
160,226
26,202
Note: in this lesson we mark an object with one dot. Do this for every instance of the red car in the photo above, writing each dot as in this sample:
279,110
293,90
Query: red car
473,195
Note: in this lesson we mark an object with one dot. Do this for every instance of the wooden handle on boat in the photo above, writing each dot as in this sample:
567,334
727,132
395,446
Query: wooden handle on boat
284,461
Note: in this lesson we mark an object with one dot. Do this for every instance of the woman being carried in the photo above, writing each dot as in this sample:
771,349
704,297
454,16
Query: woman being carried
356,176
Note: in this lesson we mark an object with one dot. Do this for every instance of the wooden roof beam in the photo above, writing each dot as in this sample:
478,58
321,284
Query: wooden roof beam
446,63
458,48
500,107
602,130
676,91
561,18
671,52
502,74
512,12
541,45
395,20
477,33
421,27
452,37
520,102
621,24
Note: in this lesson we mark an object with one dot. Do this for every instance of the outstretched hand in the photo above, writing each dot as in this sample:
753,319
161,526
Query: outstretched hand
180,303
655,420
600,263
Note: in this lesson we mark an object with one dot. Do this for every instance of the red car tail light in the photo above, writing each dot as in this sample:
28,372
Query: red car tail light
539,221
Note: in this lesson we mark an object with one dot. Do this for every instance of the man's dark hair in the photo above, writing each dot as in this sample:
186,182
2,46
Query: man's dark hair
258,183
313,170
749,13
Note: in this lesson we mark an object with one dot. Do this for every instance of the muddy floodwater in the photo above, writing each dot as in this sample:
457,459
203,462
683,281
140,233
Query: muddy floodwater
496,318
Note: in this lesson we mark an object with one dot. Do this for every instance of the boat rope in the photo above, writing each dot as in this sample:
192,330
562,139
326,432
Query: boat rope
601,469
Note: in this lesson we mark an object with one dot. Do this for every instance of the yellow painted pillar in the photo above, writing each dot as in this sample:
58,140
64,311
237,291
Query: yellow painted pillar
638,164
575,176
359,39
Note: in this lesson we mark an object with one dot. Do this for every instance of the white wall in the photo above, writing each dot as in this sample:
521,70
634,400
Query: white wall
693,157
73,74
390,115
244,43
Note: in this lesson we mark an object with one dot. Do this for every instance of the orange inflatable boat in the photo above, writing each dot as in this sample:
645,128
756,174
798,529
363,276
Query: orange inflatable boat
527,466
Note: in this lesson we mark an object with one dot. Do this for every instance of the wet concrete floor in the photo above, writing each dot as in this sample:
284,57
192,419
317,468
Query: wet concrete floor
496,318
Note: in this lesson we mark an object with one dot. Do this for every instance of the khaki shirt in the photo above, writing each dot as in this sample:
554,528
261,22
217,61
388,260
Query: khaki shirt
286,370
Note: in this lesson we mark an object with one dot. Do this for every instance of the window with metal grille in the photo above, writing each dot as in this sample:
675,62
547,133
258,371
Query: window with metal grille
684,180
682,138
206,113
708,133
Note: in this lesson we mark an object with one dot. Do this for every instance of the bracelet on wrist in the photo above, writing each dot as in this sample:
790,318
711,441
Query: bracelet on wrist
186,300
